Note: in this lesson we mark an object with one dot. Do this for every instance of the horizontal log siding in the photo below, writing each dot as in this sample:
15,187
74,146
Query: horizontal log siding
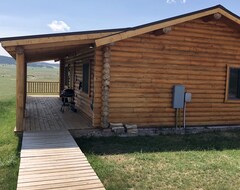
82,100
195,54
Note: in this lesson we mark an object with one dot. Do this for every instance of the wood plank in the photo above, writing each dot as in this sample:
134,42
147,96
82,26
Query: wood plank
55,39
40,118
44,167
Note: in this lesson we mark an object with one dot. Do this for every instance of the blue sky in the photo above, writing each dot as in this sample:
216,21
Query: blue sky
29,17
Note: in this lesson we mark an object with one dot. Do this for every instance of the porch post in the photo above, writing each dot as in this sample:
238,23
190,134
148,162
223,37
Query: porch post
25,85
61,76
105,86
20,87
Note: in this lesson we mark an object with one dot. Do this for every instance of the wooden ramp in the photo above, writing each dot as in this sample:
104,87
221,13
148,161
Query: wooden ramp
53,160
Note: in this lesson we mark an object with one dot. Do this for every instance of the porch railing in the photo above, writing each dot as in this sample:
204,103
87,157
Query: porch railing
42,87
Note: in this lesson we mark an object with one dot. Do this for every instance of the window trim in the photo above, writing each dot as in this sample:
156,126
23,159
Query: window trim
227,84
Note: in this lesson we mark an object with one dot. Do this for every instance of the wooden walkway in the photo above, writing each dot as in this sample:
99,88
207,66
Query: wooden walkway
53,160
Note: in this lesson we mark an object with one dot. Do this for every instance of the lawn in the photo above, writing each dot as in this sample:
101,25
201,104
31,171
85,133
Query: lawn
9,145
203,161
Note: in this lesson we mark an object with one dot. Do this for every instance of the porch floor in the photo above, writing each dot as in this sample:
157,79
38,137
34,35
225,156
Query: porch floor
43,114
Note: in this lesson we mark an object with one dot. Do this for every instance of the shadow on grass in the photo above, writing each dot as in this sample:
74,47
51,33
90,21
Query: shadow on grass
168,143
19,146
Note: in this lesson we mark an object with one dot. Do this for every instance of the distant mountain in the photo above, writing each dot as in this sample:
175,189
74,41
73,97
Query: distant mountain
43,64
7,60
10,60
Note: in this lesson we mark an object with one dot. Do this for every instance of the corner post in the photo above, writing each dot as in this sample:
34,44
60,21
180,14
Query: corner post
25,85
20,88
105,86
61,77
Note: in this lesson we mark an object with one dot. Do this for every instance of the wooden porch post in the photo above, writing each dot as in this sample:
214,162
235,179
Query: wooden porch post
61,76
20,87
25,85
105,86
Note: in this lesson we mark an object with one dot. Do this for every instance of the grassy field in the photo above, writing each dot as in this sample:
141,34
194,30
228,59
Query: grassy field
7,81
43,74
204,161
9,143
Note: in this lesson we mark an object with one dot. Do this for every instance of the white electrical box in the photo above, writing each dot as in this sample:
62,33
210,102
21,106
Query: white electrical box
188,97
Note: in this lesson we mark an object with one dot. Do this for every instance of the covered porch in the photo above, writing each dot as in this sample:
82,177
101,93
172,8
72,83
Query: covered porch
72,50
42,113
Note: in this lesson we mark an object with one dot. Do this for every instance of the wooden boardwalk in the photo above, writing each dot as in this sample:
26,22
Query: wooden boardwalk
53,160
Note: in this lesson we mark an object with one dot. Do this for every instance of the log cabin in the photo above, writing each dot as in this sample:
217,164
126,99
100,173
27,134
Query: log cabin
127,75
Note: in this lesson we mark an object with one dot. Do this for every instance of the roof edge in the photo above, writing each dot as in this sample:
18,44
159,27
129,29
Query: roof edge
184,15
110,37
62,34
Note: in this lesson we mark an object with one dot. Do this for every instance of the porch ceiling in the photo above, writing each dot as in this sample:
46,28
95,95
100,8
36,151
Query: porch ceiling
48,51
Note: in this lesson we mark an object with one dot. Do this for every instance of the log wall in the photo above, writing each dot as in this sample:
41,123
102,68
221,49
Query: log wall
82,100
145,68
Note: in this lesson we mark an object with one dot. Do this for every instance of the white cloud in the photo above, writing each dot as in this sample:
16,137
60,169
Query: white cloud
59,26
171,1
3,52
175,1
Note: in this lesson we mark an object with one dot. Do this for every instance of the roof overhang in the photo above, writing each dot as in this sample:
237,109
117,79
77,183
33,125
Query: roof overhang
53,46
230,18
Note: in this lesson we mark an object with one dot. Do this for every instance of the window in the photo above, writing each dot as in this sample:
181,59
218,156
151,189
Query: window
66,76
233,83
86,78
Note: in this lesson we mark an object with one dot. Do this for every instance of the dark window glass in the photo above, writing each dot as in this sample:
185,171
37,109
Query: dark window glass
234,82
85,87
66,76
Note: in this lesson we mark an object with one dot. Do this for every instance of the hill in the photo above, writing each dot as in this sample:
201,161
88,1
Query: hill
6,60
10,60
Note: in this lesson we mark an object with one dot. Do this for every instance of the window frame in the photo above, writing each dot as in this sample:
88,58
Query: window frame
89,78
227,100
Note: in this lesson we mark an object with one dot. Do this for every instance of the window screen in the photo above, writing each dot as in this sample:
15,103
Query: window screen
86,69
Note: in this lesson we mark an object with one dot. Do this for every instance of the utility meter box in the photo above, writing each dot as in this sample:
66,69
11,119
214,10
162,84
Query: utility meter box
178,96
188,97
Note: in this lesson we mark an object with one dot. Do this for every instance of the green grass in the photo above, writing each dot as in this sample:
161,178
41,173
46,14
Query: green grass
9,146
7,81
9,143
43,74
203,161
